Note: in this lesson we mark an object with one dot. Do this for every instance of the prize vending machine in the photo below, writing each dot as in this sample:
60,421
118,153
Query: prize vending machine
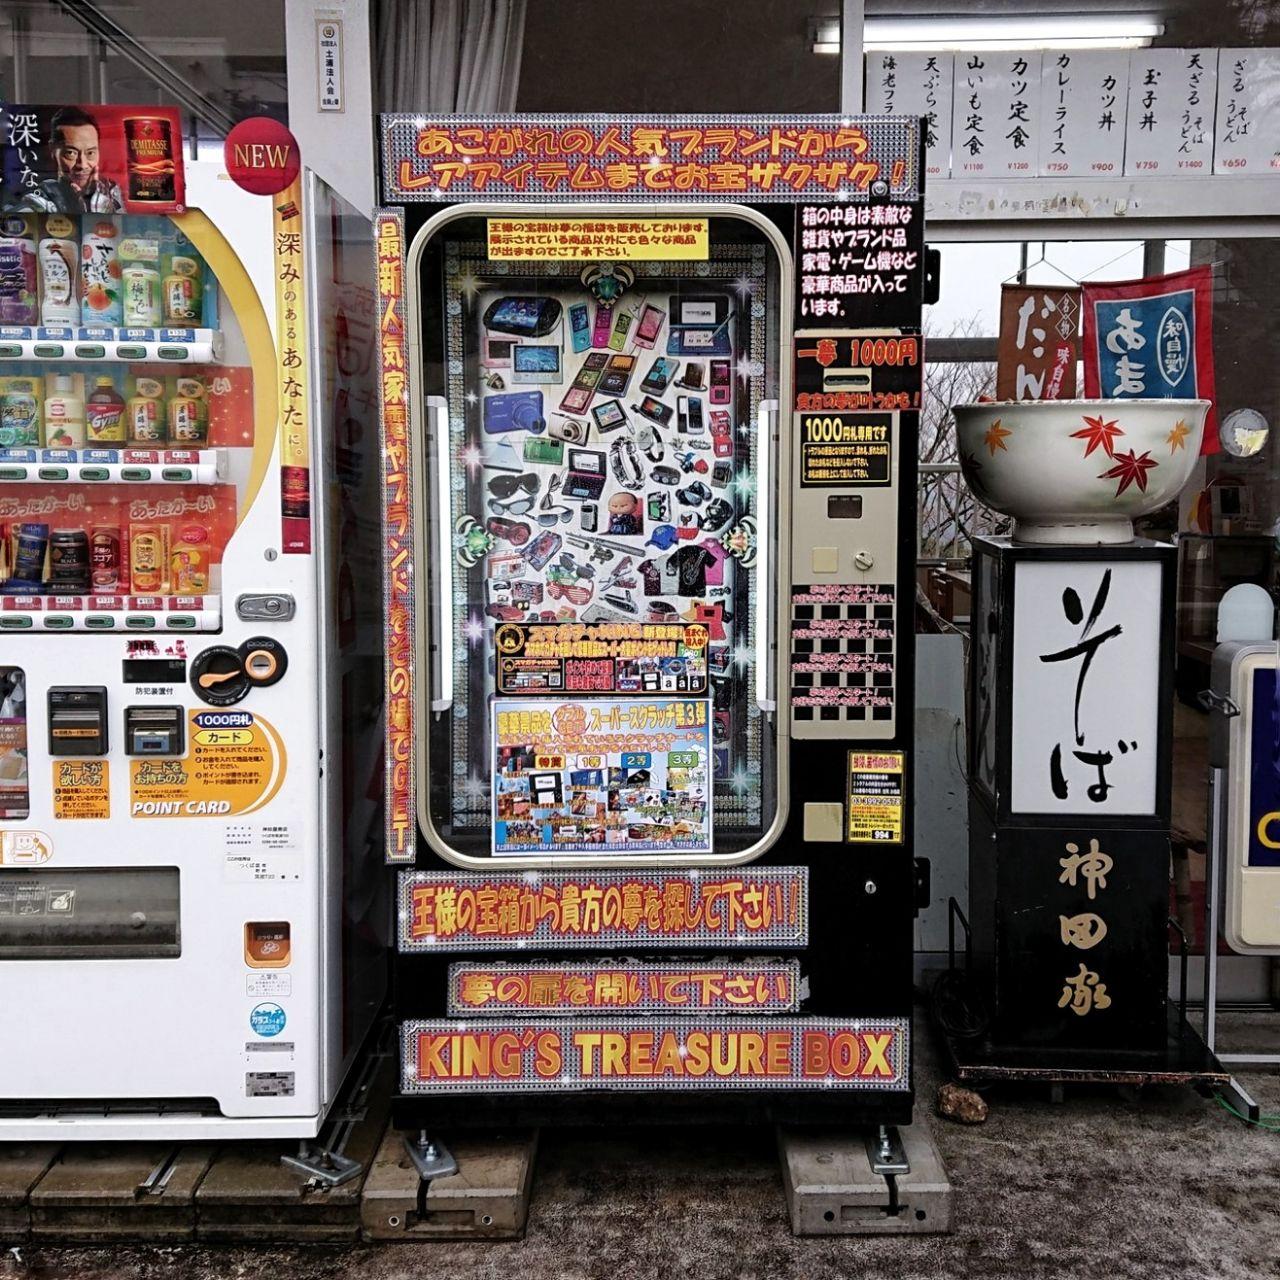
649,394
189,912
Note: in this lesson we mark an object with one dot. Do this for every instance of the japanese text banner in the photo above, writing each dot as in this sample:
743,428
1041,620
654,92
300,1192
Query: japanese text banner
1152,339
446,1056
535,158
446,911
638,987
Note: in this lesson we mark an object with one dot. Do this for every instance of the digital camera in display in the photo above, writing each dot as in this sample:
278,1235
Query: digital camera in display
515,411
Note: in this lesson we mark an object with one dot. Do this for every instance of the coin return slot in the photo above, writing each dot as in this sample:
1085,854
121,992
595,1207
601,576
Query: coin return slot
154,731
261,665
844,506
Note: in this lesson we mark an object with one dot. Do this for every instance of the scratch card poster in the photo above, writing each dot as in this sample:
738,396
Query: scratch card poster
601,775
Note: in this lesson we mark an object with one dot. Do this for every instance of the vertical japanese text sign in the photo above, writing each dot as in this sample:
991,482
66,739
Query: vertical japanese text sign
1152,340
1039,343
916,84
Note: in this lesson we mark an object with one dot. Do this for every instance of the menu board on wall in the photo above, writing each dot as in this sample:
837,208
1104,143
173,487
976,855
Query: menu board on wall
1169,131
916,84
996,131
1248,128
1083,100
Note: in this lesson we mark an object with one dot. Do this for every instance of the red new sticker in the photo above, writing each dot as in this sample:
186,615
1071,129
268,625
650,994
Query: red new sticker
262,156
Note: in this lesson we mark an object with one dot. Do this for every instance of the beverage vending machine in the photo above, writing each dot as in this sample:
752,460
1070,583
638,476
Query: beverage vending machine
650,391
190,890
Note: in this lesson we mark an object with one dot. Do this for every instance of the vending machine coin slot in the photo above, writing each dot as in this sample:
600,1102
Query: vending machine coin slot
154,731
78,720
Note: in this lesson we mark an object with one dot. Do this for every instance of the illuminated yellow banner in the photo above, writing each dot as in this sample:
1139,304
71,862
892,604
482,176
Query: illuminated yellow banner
291,342
593,239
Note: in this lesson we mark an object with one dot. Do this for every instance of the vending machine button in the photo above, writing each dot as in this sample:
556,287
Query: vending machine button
139,622
10,350
172,353
48,350
94,473
135,473
78,720
90,351
18,622
825,559
99,622
180,622
13,473
53,622
53,473
130,352
175,473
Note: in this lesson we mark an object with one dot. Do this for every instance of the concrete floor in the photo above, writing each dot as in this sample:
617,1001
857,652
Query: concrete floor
1106,1185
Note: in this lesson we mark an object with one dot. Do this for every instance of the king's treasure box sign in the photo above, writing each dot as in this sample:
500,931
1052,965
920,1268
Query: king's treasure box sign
750,907
77,159
687,158
771,1053
601,775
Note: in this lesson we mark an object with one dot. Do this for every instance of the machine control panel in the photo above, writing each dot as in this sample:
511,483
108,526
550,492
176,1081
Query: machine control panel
78,720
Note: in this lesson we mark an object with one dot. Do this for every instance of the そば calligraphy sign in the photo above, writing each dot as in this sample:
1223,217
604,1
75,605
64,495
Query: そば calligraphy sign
1152,339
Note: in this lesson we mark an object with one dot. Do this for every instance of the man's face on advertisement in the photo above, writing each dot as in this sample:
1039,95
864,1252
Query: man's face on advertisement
75,152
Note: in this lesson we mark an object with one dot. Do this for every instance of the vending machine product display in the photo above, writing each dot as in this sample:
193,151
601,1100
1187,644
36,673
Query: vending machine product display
650,393
191,900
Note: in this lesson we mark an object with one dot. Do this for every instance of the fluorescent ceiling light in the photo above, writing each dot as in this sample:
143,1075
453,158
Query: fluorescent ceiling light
1030,31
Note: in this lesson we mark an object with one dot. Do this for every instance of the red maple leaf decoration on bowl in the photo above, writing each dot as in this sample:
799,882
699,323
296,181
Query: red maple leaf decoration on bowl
1099,434
1130,468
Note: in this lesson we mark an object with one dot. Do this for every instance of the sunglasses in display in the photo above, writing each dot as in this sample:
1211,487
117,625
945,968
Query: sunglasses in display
507,486
553,516
573,592
511,506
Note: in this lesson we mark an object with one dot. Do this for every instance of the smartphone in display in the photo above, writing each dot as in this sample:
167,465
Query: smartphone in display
654,410
650,325
618,338
603,326
579,326
720,382
693,415
658,379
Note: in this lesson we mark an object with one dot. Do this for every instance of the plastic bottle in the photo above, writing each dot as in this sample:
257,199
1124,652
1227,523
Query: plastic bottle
64,426
104,414
100,293
59,260
18,302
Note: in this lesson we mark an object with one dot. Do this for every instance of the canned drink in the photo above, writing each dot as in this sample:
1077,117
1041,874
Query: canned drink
141,296
104,558
151,160
69,562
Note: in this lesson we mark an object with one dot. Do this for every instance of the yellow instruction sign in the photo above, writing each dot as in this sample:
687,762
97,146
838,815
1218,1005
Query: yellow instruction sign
81,789
596,239
875,799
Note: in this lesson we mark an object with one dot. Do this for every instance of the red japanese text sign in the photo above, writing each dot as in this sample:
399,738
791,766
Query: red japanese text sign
445,1056
1039,343
397,534
673,157
460,911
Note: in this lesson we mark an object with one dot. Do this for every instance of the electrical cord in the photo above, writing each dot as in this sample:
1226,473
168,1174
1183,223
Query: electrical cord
1270,1123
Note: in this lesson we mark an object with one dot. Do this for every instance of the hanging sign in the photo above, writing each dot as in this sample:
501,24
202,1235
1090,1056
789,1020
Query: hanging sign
1083,99
1039,343
1248,118
996,130
1169,130
1152,339
916,84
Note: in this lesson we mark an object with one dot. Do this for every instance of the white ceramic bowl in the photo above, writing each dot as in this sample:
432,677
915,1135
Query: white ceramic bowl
1078,471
